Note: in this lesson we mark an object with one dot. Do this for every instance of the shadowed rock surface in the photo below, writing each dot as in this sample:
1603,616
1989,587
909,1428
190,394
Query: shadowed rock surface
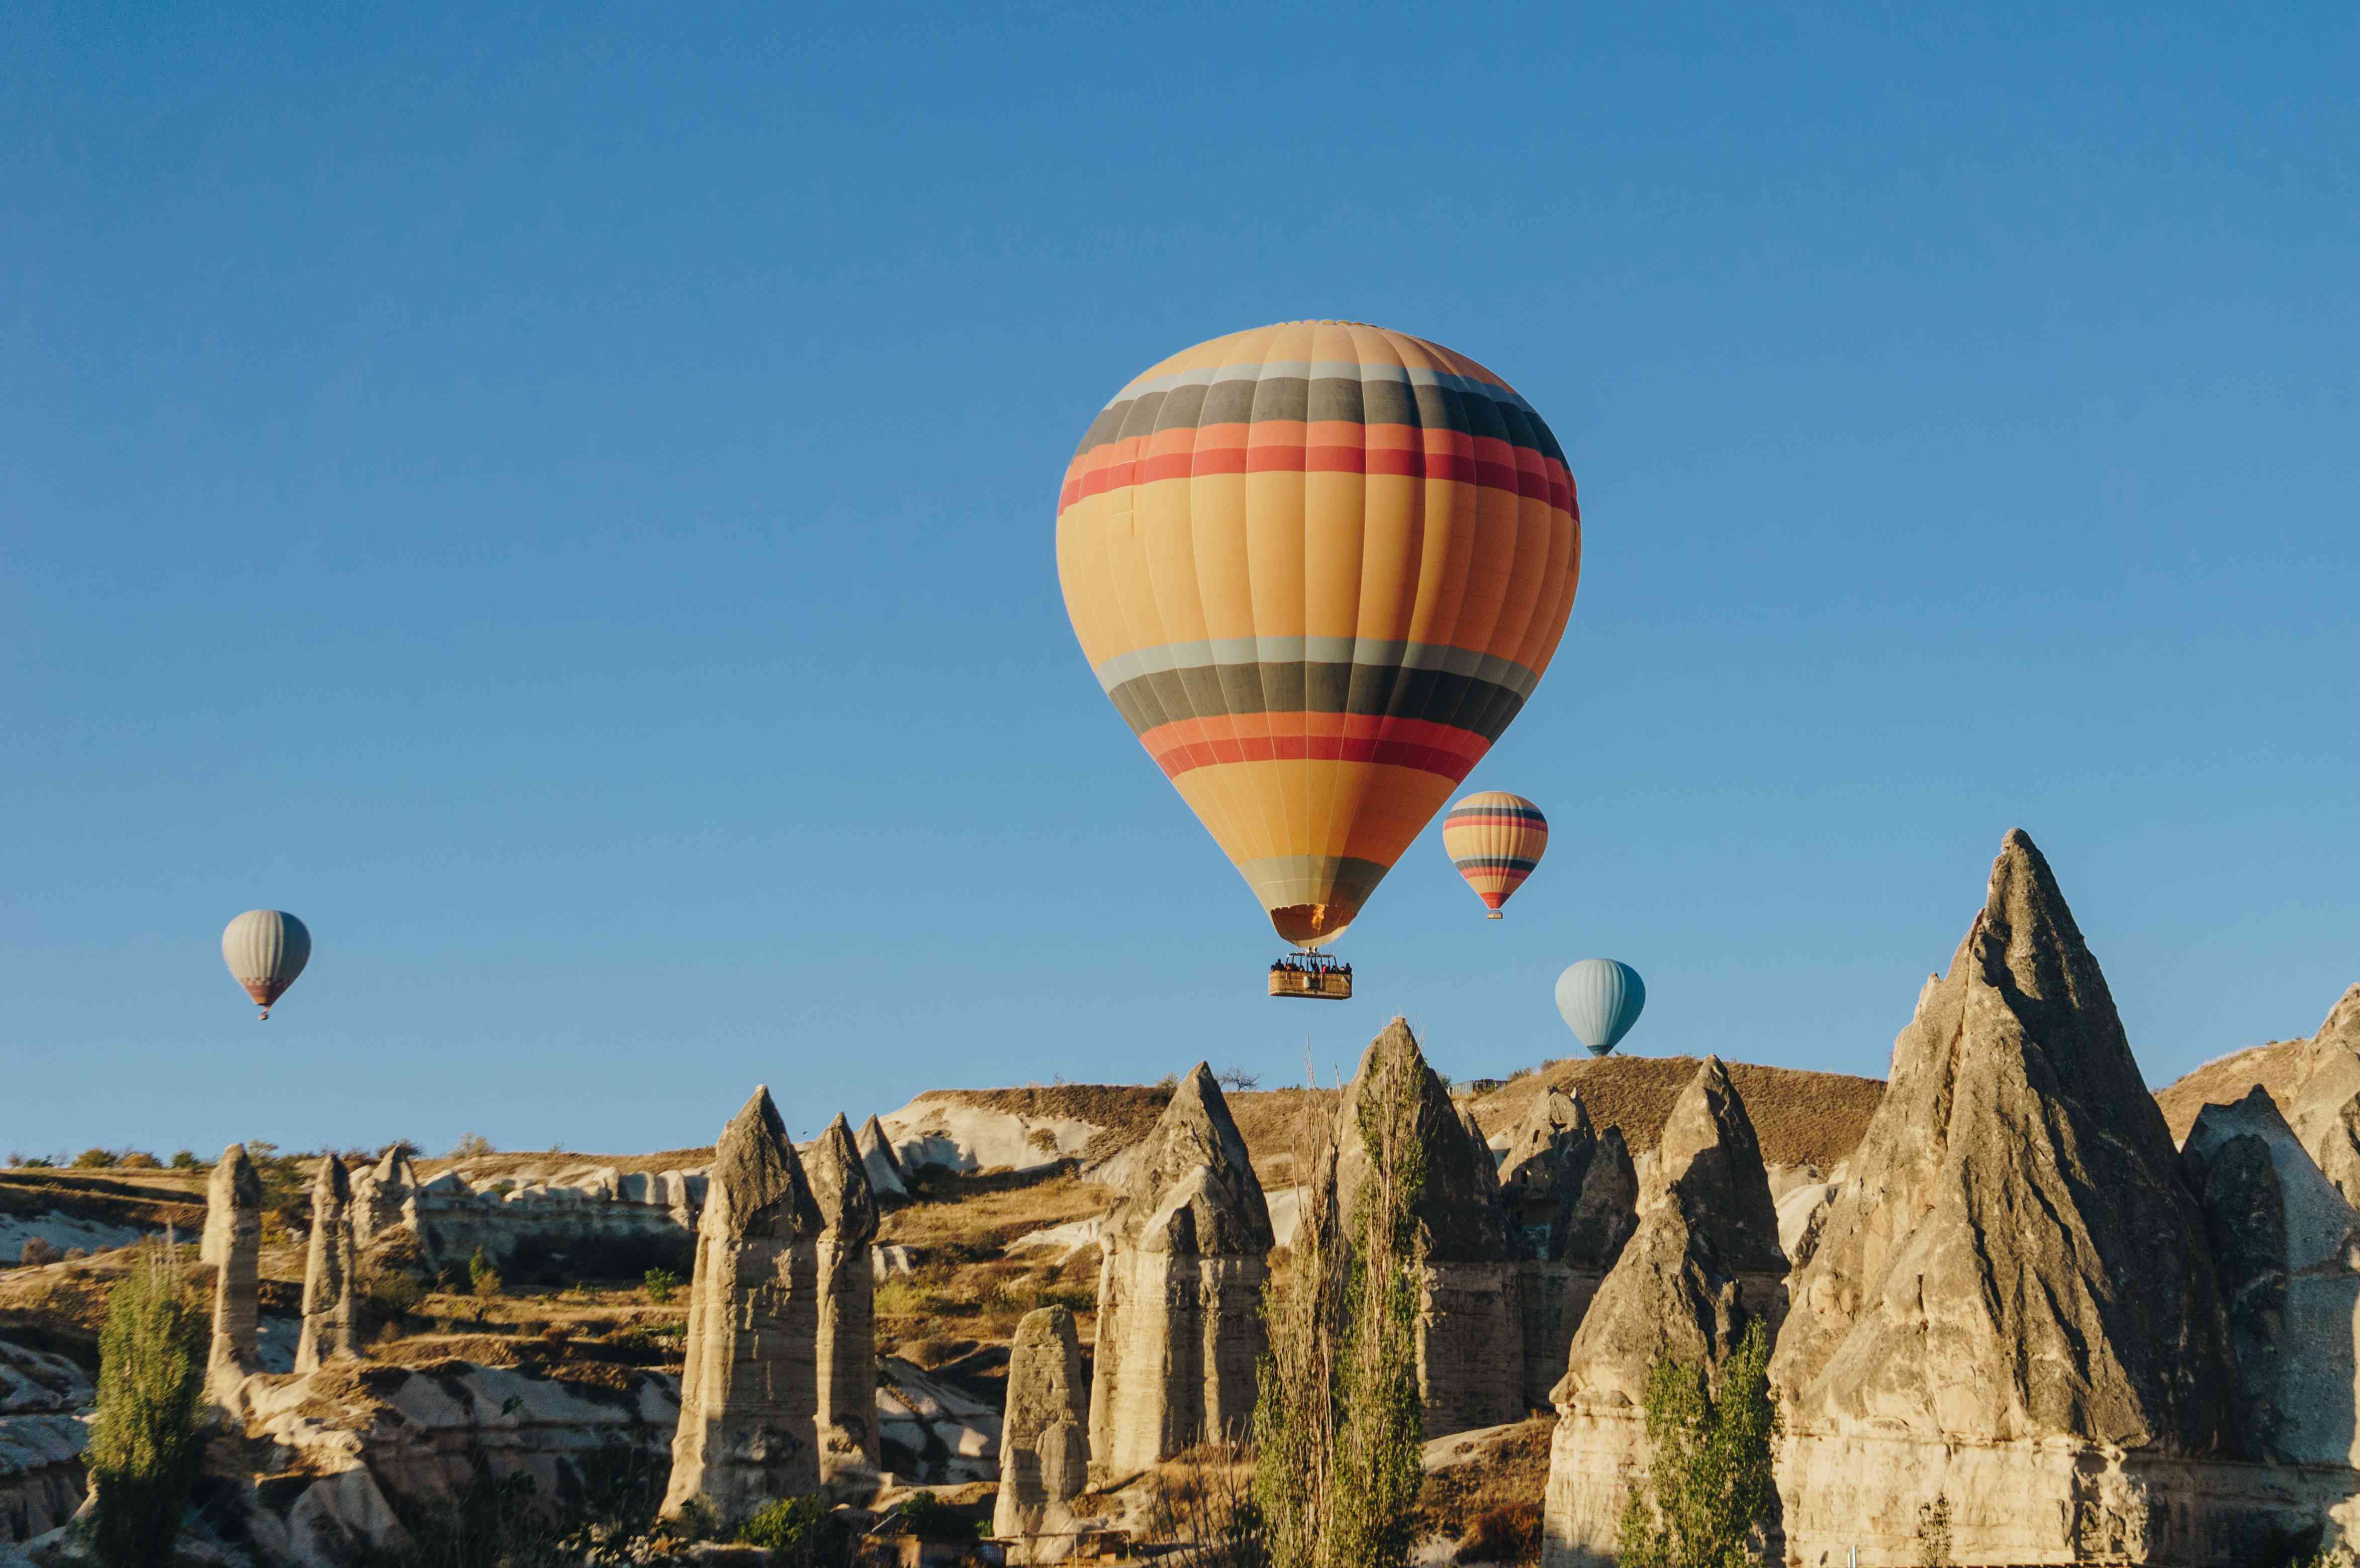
1471,1359
1569,1196
2325,1114
847,1348
329,1328
887,1180
750,1390
2285,1243
1186,1249
2011,1306
1673,1292
1045,1441
233,1245
1709,1152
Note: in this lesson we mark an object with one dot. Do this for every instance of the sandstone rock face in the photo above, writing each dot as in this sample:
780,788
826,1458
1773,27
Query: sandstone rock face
330,1328
233,1245
2326,1111
2286,1243
1570,1195
1185,1251
1045,1439
749,1392
2011,1307
41,1441
887,1180
847,1346
453,1215
1675,1290
1710,1153
385,1198
1471,1360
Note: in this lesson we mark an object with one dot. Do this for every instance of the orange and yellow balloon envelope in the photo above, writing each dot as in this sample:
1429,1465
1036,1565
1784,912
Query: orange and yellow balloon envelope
1318,568
1494,839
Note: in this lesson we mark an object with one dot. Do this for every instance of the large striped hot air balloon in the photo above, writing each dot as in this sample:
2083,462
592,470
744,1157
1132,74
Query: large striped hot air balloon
1494,839
266,950
1318,568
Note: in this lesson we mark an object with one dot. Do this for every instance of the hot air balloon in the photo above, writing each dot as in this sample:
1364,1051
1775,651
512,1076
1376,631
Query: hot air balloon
266,950
1494,839
1318,568
1600,999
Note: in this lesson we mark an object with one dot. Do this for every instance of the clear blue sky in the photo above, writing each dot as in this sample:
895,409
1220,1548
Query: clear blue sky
562,500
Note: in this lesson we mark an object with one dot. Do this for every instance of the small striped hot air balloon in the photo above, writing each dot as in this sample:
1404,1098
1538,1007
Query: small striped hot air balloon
1494,839
266,950
1318,568
1600,999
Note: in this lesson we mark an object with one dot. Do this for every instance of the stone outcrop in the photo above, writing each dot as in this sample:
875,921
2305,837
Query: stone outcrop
330,1329
750,1391
454,1215
887,1180
1710,1151
1678,1290
2325,1112
847,1346
41,1441
385,1197
233,1245
2285,1244
1470,1363
1186,1250
1570,1198
2011,1310
1045,1439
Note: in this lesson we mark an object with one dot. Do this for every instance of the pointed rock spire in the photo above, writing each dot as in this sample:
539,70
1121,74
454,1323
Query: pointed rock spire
749,1398
887,1178
1673,1292
1570,1195
1185,1251
329,1327
2014,1268
1471,1341
847,1307
1044,1444
233,1245
2286,1243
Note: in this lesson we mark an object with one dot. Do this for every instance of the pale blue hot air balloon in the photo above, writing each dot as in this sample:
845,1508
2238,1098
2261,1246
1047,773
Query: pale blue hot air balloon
1600,999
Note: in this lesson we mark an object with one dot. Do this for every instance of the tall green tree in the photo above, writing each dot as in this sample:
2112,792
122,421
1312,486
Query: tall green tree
1338,1419
1706,1503
145,1447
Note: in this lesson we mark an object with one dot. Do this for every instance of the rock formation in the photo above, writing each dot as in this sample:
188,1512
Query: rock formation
41,1441
2011,1310
1471,1363
1570,1198
1185,1251
847,1346
329,1327
750,1389
1045,1439
886,1177
233,1245
1676,1290
2285,1244
385,1198
2325,1112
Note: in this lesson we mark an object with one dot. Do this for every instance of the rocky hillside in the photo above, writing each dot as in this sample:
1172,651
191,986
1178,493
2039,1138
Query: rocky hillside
2284,1067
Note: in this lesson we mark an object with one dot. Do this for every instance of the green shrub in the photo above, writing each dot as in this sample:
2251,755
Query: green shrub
786,1523
144,1445
660,1285
1710,1487
93,1160
931,1518
482,1277
185,1159
139,1159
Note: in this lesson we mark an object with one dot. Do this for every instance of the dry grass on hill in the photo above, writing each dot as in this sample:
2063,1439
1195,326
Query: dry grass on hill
2228,1079
1801,1117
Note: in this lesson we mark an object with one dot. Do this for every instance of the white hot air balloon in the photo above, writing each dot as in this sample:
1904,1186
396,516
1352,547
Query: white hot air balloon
266,950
